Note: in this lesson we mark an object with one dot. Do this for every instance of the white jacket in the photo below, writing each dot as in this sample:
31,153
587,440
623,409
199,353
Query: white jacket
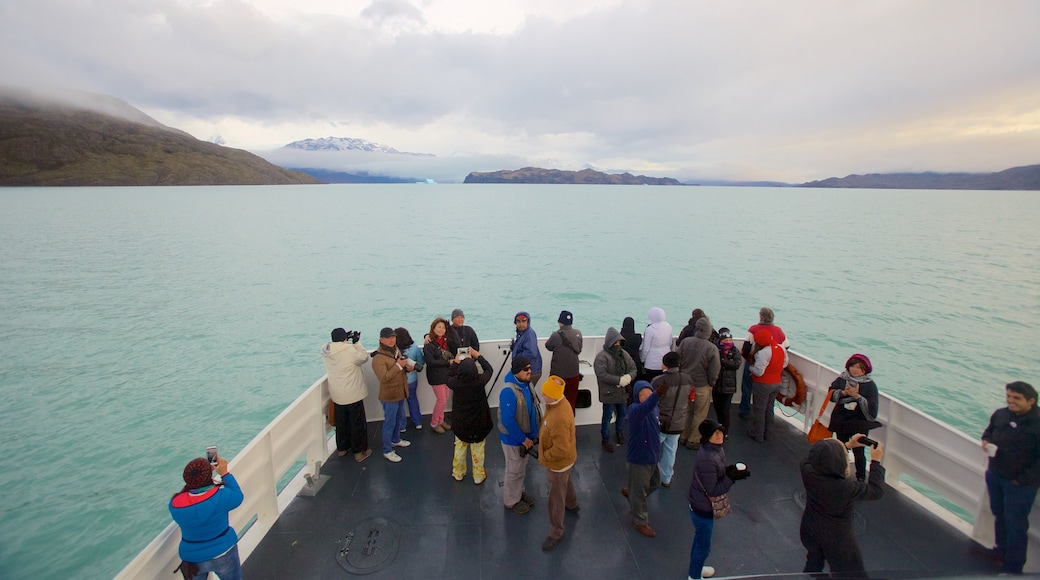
657,340
343,361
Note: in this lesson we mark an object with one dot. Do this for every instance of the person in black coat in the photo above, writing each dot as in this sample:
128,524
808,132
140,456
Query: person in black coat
633,341
855,395
726,385
472,416
826,530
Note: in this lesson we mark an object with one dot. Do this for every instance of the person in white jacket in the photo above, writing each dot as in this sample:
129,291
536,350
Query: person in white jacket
343,362
657,340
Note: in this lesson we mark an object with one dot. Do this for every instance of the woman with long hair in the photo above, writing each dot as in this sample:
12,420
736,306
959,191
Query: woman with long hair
440,355
413,352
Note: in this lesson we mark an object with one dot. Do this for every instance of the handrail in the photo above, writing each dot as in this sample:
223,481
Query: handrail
949,463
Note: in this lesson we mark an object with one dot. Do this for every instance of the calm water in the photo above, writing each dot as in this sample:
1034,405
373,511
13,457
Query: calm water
141,324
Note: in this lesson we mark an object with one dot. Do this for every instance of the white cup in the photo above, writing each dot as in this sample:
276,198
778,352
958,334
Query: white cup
740,466
991,450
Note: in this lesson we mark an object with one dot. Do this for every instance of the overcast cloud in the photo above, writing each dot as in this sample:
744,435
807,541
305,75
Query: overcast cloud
775,90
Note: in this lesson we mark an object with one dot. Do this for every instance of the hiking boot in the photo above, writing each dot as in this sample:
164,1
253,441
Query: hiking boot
608,446
574,509
392,457
527,499
359,457
646,530
341,453
520,508
550,544
445,426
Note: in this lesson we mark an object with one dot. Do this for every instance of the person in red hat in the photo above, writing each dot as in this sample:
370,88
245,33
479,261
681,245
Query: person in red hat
856,406
769,361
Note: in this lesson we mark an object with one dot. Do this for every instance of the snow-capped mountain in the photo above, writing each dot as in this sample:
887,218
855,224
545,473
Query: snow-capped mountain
345,144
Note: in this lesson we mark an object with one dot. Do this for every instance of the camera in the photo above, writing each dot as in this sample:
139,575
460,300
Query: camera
353,335
533,451
866,441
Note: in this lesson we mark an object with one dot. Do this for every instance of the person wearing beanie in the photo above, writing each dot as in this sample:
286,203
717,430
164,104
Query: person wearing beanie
344,362
200,509
657,340
1013,472
726,385
765,321
643,454
557,452
711,478
699,358
766,370
439,354
827,530
519,419
462,334
614,370
391,369
526,345
565,345
471,413
856,406
412,352
673,411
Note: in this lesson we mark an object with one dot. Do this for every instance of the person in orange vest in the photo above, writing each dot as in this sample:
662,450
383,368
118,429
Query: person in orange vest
769,361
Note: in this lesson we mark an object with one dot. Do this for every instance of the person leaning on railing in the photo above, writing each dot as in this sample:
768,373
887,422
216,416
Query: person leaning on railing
208,542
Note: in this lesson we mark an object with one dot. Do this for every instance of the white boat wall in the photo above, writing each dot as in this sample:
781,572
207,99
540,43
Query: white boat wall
948,463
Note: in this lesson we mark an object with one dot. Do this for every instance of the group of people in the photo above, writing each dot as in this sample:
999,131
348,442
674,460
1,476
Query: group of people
659,393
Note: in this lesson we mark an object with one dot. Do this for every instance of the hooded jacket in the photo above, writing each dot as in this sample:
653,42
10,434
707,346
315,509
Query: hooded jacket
202,516
609,364
526,344
657,339
565,345
344,362
829,497
698,357
514,414
470,411
673,405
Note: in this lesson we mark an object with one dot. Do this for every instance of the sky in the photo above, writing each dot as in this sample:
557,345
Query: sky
791,90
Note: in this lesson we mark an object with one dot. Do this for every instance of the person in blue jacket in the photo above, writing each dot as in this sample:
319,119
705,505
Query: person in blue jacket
644,452
519,418
526,345
208,542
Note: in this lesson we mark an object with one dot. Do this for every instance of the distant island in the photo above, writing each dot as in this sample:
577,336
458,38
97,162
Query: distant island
103,141
556,176
1026,177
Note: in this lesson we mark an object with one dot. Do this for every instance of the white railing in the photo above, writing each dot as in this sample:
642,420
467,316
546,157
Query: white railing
949,463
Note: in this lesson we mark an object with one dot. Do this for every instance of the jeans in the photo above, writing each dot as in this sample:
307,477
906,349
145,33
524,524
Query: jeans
669,443
413,404
610,409
702,530
1010,504
227,566
745,392
393,414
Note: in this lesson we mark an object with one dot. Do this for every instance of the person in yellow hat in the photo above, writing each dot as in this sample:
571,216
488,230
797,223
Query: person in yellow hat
557,451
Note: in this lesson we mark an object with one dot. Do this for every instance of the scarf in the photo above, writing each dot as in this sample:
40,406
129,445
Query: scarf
859,380
442,341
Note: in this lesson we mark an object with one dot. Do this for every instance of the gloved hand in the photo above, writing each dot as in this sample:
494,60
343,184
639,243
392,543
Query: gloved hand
737,474
661,390
626,379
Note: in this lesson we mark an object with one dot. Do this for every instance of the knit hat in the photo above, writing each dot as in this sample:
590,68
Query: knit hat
565,318
708,427
862,358
670,360
387,332
763,337
519,364
198,473
456,313
553,387
725,333
339,335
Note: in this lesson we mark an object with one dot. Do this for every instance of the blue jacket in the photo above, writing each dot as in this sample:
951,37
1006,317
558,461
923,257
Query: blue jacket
203,519
526,344
509,430
415,353
644,426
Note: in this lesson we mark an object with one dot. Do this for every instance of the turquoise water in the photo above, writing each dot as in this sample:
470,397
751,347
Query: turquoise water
142,324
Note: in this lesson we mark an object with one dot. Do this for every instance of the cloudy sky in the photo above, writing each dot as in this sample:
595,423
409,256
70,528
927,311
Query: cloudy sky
790,90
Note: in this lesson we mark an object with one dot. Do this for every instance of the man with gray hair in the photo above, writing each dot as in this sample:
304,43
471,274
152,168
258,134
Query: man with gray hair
765,320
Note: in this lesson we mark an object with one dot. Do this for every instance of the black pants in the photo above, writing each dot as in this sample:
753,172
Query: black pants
722,404
351,427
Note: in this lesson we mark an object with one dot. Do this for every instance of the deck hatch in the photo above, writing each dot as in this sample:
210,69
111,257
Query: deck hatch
370,546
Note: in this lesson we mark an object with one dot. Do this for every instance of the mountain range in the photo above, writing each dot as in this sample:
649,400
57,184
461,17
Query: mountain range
1026,177
347,144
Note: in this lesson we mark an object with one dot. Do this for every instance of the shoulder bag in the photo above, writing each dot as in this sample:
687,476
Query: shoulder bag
819,431
720,507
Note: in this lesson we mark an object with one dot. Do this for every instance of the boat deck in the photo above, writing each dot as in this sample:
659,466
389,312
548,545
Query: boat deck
449,529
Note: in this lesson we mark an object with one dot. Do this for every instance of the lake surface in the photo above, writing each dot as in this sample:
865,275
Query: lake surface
142,324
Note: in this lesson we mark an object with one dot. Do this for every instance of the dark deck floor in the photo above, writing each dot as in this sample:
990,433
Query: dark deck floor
457,530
